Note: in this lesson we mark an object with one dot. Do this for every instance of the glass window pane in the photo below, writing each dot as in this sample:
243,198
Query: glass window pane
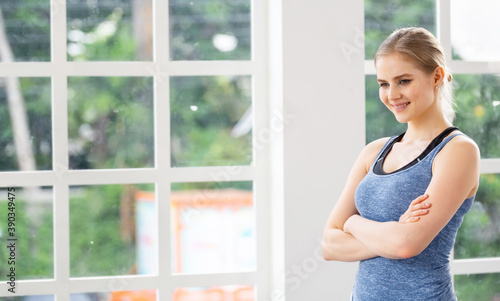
111,122
479,235
216,293
380,122
382,17
211,121
107,230
478,287
26,127
29,239
27,27
214,227
473,29
141,295
118,30
478,110
210,30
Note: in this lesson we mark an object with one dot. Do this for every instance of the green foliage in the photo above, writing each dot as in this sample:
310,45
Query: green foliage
111,122
478,235
382,17
478,110
204,110
102,37
96,246
34,258
27,24
37,99
479,287
194,24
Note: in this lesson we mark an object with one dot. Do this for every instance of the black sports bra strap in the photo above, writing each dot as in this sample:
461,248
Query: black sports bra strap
441,136
377,168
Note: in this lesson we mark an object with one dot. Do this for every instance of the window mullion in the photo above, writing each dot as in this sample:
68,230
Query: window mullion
489,166
467,67
161,73
444,27
60,149
476,266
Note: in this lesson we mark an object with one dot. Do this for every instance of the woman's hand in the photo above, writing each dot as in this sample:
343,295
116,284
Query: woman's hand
416,209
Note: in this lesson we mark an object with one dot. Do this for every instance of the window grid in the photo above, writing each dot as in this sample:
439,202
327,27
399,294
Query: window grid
488,166
60,177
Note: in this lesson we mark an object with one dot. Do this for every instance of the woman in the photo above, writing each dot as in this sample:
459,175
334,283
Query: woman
406,196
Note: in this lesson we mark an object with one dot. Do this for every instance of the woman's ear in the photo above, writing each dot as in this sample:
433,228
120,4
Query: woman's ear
439,75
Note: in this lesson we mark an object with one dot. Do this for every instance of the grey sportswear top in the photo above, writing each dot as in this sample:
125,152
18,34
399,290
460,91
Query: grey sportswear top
423,277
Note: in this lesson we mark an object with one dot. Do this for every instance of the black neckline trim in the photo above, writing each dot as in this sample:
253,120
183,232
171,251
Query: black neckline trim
378,166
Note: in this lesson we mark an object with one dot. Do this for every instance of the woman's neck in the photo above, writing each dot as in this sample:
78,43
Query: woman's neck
428,129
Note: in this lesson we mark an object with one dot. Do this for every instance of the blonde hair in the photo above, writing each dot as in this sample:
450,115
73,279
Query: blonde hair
423,49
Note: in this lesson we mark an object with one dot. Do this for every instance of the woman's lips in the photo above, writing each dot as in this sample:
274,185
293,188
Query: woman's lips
400,107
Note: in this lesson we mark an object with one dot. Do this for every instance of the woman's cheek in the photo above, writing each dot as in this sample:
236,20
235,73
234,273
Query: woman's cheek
383,96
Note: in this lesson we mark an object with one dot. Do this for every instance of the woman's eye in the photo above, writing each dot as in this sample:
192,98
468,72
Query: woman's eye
383,85
404,81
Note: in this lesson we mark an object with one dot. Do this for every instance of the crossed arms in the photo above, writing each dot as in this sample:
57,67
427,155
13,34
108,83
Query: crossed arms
350,237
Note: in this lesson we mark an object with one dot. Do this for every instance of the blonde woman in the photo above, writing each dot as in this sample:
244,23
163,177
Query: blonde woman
406,195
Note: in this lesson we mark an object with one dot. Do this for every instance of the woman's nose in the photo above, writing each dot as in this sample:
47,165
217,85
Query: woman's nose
394,93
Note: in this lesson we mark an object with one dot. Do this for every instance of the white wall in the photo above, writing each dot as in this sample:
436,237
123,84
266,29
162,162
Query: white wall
323,89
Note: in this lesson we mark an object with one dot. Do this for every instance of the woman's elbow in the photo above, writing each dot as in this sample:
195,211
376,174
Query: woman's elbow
332,252
407,248
405,253
326,251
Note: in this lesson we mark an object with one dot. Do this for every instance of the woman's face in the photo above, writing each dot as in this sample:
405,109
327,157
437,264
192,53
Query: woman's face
408,92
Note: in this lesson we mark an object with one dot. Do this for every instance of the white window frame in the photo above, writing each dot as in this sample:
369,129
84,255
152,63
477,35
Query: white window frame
488,166
61,178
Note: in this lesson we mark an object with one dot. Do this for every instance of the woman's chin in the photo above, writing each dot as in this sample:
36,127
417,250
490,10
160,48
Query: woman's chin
401,119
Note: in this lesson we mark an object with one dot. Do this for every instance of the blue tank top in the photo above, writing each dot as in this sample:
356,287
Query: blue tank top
385,198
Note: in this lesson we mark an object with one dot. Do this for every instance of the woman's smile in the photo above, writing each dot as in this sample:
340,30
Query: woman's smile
401,106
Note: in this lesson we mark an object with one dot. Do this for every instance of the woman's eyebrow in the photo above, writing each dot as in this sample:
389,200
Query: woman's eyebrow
395,77
402,75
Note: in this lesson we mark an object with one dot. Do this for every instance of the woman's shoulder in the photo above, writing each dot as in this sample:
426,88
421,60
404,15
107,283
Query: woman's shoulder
459,151
376,146
372,149
462,143
459,157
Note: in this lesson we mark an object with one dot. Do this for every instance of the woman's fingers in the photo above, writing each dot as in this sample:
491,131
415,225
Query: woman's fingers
419,212
419,199
416,209
418,204
412,219
421,208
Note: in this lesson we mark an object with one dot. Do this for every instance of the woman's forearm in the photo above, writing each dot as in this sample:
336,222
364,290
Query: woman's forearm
341,246
388,239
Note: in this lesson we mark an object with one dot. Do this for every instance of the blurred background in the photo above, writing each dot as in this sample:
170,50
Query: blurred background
111,126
